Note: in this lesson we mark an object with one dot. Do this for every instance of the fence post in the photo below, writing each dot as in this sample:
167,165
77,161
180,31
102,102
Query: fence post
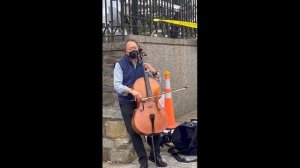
134,17
123,18
174,29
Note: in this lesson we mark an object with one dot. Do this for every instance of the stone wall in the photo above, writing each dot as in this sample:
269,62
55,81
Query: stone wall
178,56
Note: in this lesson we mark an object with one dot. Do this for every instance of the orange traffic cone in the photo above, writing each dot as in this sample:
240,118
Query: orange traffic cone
168,103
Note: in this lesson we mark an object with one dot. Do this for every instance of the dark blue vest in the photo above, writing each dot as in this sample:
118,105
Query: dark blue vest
130,75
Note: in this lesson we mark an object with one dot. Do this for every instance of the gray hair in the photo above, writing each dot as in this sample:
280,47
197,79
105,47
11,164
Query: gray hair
128,40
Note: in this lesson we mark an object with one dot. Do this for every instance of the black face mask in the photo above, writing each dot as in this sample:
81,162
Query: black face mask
134,54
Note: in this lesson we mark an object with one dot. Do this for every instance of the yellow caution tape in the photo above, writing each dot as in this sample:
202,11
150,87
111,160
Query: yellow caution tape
177,22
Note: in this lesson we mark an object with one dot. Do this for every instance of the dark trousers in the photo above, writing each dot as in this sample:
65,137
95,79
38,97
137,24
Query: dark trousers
127,109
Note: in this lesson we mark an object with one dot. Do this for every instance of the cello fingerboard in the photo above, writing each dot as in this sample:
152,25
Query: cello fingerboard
148,87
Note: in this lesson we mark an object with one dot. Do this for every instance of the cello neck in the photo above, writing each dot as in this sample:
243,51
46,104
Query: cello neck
146,77
147,83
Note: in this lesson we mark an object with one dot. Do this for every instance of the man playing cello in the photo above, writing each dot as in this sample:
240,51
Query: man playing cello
126,71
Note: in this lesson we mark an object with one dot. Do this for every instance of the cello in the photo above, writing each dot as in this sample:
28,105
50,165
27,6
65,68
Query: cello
149,117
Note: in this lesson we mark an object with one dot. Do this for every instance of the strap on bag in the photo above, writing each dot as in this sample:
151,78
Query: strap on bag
191,146
175,152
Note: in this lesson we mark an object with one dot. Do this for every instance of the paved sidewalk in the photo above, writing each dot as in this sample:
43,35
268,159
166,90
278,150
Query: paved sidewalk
167,157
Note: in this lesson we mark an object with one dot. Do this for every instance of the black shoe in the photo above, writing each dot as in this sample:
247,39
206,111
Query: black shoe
144,165
159,161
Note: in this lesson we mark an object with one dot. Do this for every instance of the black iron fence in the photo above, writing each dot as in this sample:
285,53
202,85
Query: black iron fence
123,17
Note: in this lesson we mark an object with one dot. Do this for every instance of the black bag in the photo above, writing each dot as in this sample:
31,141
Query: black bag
184,138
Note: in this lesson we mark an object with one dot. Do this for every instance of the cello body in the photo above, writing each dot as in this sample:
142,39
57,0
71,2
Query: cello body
149,117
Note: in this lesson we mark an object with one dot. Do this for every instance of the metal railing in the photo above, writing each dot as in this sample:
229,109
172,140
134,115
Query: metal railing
123,17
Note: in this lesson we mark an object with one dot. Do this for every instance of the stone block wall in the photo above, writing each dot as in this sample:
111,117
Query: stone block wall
117,146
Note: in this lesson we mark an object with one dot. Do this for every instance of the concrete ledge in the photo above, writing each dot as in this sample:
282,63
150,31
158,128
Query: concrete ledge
119,46
163,40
